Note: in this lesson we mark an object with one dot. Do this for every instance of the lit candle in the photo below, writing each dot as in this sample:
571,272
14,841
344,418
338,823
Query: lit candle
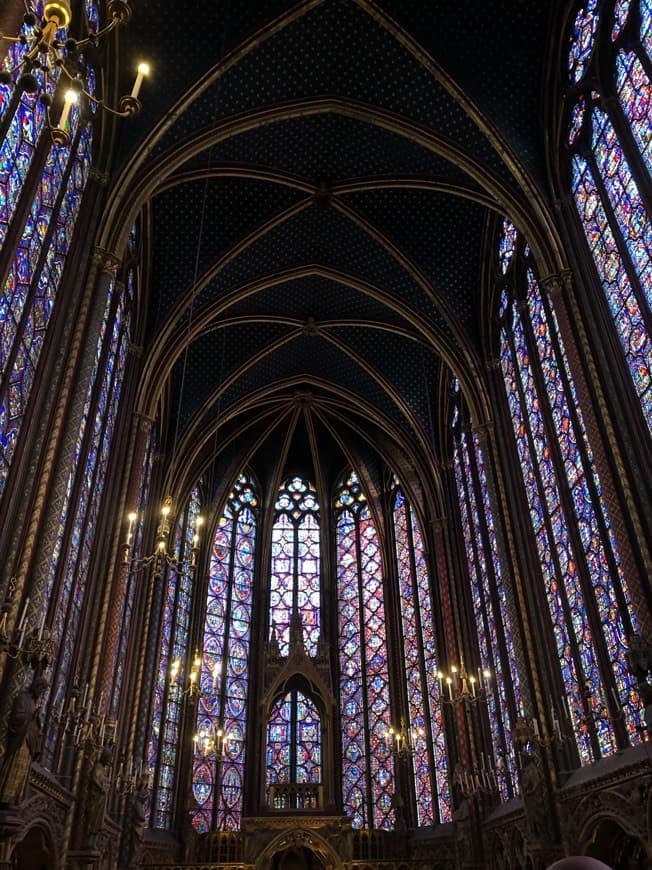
143,70
473,686
132,517
69,99
450,687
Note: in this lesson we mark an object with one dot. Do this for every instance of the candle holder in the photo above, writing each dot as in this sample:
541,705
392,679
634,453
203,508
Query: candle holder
35,647
211,741
402,742
462,687
161,558
49,50
130,778
476,781
83,723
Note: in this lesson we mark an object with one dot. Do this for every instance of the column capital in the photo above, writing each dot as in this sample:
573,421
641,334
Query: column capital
106,261
101,178
483,430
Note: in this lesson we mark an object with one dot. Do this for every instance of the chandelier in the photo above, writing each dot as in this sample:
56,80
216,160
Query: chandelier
49,51
463,687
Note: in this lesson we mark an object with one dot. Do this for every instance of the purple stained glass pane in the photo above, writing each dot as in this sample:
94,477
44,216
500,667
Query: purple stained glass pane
368,772
623,304
432,793
625,199
582,39
28,295
485,617
576,120
561,628
645,11
588,514
621,11
507,245
295,564
225,664
635,96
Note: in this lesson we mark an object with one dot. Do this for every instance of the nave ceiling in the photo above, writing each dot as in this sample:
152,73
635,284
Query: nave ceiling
319,186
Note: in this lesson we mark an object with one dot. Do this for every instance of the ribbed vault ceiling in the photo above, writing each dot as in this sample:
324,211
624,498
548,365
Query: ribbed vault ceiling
317,182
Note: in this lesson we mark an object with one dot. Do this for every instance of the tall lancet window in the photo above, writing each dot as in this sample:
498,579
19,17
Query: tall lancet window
70,562
367,765
41,187
488,593
589,603
610,147
295,564
171,676
218,767
430,761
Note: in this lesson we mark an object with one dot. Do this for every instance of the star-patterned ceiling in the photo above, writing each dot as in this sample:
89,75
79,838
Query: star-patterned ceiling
319,181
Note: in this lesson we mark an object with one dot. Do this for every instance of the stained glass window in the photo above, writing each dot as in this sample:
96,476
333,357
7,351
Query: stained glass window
219,762
586,592
367,764
295,564
70,561
488,593
610,149
430,761
168,691
53,186
294,741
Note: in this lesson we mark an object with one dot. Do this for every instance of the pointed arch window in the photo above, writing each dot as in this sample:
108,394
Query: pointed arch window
430,760
295,566
587,595
168,692
487,591
41,188
218,772
367,765
609,145
294,741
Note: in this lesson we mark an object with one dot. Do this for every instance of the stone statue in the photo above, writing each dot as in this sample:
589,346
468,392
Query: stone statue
638,657
138,818
398,805
534,796
96,797
23,743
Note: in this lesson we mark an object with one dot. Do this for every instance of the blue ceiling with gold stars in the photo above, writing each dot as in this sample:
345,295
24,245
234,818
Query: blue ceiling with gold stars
319,182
